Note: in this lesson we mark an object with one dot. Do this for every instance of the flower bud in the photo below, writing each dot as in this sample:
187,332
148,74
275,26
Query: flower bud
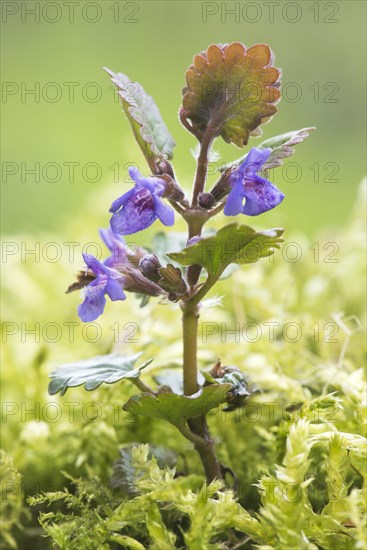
135,281
165,167
172,189
149,266
222,187
206,201
171,280
173,297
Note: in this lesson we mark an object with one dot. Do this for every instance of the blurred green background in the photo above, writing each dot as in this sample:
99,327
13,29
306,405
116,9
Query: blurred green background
60,54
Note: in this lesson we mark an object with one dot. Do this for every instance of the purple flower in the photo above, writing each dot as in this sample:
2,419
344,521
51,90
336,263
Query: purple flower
141,206
260,194
116,245
107,281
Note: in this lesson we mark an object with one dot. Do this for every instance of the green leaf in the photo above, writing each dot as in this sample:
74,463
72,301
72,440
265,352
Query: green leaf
177,409
93,372
232,244
230,91
163,243
150,131
282,146
289,139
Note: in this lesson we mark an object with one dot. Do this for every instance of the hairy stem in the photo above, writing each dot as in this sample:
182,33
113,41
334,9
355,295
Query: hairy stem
191,436
202,165
193,272
199,183
216,210
198,432
142,386
177,207
202,291
205,447
190,328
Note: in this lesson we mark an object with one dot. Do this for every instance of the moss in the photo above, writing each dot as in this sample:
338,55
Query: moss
297,448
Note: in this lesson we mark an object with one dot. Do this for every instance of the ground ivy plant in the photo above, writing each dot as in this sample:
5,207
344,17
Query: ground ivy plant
230,92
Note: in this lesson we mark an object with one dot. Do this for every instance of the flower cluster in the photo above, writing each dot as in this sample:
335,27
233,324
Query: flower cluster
215,103
119,272
108,281
137,209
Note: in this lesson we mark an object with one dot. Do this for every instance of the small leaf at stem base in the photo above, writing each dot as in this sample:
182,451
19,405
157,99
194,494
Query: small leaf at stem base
177,409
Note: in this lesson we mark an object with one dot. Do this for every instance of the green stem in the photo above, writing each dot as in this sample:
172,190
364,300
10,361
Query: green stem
198,432
178,207
216,210
195,225
202,165
193,273
191,436
142,386
205,448
190,328
202,291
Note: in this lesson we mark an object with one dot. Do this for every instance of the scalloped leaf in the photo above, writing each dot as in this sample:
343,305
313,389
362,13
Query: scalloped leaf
177,409
93,372
230,91
233,243
150,131
283,147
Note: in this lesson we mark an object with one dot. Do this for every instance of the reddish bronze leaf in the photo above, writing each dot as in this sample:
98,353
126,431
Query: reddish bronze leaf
230,91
